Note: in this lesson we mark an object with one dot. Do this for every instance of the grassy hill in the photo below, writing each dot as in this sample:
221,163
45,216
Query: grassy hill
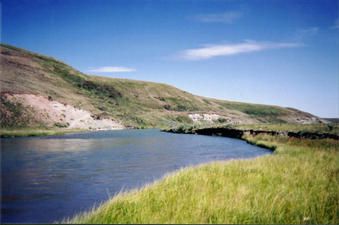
132,103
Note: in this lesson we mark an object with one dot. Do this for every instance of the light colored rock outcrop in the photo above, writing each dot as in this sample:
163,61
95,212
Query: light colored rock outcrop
197,118
53,112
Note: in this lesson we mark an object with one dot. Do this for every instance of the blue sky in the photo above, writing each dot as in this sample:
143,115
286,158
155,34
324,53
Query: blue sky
282,52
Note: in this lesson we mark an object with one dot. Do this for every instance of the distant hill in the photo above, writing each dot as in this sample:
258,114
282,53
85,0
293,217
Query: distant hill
332,120
40,91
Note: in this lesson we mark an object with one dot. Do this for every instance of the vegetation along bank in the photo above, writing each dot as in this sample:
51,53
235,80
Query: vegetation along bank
238,132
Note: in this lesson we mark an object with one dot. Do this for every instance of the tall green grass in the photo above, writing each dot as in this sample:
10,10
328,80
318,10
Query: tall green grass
297,184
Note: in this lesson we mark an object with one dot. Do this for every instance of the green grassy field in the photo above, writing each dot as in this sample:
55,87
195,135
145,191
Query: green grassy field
299,183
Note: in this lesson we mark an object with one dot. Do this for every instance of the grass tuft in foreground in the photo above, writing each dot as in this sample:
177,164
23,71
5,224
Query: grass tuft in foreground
297,184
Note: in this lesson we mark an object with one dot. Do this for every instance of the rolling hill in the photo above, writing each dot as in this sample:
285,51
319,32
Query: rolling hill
40,91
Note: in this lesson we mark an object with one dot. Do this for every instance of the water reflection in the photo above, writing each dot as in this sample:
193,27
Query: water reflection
61,145
48,178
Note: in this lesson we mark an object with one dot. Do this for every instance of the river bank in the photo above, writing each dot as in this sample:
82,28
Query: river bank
310,131
297,184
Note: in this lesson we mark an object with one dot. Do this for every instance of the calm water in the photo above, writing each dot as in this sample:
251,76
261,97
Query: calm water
45,179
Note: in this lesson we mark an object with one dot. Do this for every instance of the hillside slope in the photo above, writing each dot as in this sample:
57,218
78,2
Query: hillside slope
38,90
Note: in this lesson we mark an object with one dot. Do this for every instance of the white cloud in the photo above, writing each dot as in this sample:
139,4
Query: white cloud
231,49
111,69
227,17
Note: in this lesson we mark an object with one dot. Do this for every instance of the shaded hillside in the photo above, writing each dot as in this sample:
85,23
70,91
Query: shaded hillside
128,102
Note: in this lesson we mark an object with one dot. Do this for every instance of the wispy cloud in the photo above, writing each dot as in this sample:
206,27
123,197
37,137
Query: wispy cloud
306,33
231,49
111,69
309,31
226,17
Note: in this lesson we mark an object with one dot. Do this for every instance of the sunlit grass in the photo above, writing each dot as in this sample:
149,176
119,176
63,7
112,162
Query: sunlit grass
294,127
297,184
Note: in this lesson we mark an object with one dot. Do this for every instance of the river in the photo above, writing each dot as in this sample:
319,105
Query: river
45,179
